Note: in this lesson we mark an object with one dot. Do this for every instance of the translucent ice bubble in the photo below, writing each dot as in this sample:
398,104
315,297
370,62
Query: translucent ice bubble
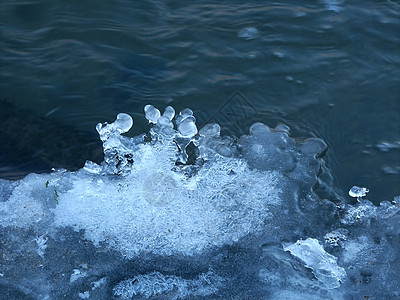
257,148
165,121
210,130
210,143
358,192
169,112
122,124
152,113
184,114
187,128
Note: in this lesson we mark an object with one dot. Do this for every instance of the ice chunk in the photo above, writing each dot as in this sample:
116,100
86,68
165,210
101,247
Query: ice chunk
152,113
224,150
358,192
280,54
323,264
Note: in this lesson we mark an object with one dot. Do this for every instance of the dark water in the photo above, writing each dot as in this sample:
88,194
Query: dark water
329,69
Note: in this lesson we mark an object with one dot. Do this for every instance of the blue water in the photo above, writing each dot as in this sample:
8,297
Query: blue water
329,69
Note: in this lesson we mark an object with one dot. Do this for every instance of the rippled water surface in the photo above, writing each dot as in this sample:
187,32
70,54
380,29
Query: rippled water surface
329,69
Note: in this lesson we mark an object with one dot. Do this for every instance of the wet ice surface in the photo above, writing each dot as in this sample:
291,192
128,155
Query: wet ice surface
185,213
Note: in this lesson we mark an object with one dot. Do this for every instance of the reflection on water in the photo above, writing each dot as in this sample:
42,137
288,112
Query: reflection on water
328,69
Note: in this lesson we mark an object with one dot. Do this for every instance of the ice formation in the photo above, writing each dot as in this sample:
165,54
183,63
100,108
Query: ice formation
323,265
358,192
184,213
